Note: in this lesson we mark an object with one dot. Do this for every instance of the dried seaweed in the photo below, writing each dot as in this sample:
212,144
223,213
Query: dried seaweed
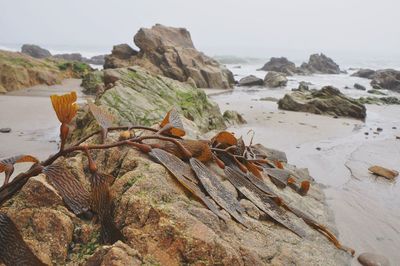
185,176
172,124
7,165
217,191
75,196
103,118
279,177
13,249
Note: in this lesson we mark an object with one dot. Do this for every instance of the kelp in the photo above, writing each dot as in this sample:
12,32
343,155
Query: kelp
7,165
172,124
13,249
74,195
103,118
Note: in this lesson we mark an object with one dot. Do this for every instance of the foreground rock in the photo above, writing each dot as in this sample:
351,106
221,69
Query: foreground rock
384,172
170,52
18,70
371,259
328,100
320,64
280,64
275,79
35,51
251,81
162,224
136,96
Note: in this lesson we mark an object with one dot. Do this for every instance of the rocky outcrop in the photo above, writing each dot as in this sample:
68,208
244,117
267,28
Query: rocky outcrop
170,52
364,73
328,100
18,70
379,100
136,96
35,51
121,56
251,81
95,60
388,79
320,64
275,79
162,224
280,64
93,82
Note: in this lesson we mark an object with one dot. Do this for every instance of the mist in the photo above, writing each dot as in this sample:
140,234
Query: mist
257,28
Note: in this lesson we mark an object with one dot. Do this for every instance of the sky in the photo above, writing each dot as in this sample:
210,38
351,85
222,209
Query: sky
245,28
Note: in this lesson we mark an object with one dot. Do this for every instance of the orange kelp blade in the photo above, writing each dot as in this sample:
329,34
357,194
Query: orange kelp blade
75,196
65,106
172,124
217,191
185,176
225,139
199,149
13,249
7,165
262,201
320,228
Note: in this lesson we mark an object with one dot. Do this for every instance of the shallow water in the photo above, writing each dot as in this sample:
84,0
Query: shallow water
366,208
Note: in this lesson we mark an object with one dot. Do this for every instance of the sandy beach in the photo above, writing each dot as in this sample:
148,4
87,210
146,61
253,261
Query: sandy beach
337,153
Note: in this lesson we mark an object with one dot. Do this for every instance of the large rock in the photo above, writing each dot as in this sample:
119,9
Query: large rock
18,70
320,64
251,81
93,82
275,79
328,100
121,56
138,97
388,79
35,51
280,64
364,73
170,52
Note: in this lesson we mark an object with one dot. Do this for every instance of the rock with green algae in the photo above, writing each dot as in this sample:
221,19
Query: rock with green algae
19,71
141,98
379,100
93,82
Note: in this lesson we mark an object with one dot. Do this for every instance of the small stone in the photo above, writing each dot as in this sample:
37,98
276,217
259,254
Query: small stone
5,130
336,116
371,259
394,127
379,129
366,133
384,172
318,148
397,137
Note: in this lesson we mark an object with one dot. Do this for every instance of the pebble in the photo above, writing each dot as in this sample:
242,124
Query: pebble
379,129
318,148
394,127
371,259
397,137
366,133
5,130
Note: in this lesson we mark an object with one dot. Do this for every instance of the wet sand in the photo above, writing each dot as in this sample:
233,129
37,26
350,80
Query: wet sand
34,125
366,208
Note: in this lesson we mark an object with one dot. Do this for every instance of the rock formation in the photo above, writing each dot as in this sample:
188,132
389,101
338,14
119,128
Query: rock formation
170,52
364,73
275,79
388,79
120,56
280,64
18,70
328,100
251,81
320,64
35,51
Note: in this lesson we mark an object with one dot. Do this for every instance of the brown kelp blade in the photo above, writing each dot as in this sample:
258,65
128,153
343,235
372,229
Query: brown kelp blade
279,177
102,116
7,165
320,228
262,201
217,191
13,249
224,138
198,148
173,120
185,176
75,196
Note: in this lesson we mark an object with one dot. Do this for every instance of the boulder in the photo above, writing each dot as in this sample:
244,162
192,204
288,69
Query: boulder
275,79
138,97
359,87
372,259
70,57
364,73
320,64
328,100
251,81
388,79
233,118
35,51
170,52
120,56
93,82
280,64
5,130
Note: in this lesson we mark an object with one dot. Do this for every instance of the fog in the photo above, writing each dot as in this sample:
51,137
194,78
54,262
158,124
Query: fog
245,28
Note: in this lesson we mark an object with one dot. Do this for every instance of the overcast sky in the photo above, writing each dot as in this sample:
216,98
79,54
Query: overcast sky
245,28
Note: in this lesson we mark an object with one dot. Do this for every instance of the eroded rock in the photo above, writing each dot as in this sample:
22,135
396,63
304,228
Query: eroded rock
320,64
251,81
371,259
35,51
275,79
280,64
